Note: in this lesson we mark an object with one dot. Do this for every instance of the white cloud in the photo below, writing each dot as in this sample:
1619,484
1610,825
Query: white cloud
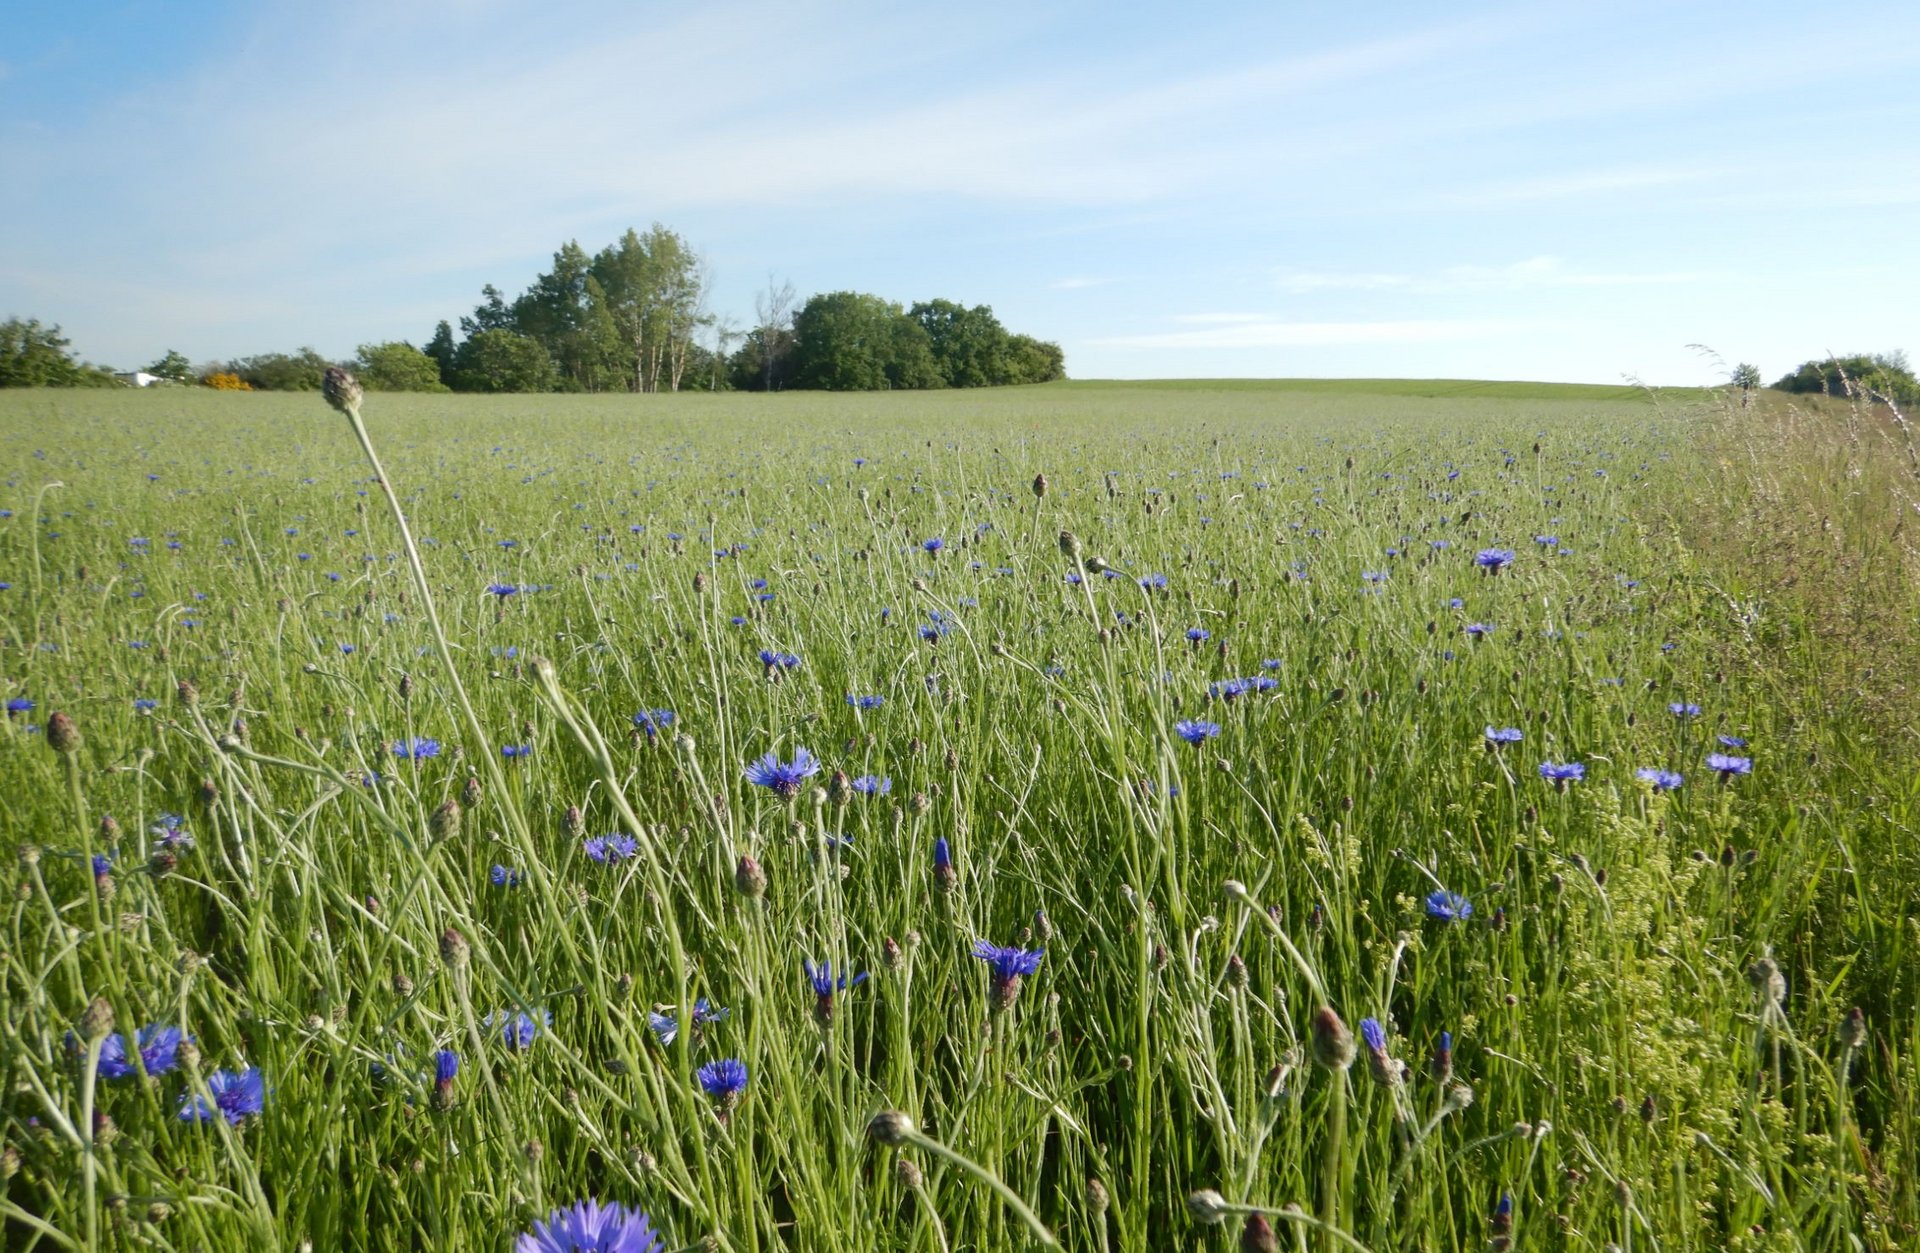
1247,331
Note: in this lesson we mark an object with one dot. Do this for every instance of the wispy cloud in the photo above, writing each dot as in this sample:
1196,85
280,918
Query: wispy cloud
1535,272
1573,185
1233,330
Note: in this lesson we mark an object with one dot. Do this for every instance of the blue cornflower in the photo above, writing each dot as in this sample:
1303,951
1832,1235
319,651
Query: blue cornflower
505,878
158,1046
19,705
1373,576
1446,906
1562,773
607,849
1153,582
1227,689
1196,732
513,752
590,1227
1373,1034
503,590
723,1080
169,834
446,1065
236,1095
1662,780
866,702
654,721
783,778
145,705
1547,541
1504,735
944,876
1008,965
777,661
102,865
873,785
667,1027
519,1031
345,649
1479,630
1731,741
1198,635
1729,766
933,545
1456,603
824,985
417,749
1683,709
1493,560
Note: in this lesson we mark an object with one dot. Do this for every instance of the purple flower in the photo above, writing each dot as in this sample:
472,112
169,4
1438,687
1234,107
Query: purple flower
654,721
520,1030
1198,635
505,878
1662,780
783,779
933,545
590,1227
1008,965
1731,741
944,876
723,1080
1373,1034
503,590
1492,560
866,702
236,1095
1196,732
20,705
1479,630
607,849
1682,709
1729,766
416,749
1153,582
777,661
158,1046
667,1027
1448,906
1562,773
873,785
1504,735
513,752
446,1065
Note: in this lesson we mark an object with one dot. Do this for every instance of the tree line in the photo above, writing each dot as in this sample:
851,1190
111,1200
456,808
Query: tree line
633,317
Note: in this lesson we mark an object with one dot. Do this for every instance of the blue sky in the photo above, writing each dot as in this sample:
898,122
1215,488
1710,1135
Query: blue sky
1558,191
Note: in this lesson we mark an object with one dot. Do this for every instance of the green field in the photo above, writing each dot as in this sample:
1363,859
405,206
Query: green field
1647,1002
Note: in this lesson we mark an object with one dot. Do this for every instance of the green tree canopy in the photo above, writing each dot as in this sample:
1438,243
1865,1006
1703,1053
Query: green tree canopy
397,366
32,355
1886,373
501,361
173,367
853,341
970,347
441,349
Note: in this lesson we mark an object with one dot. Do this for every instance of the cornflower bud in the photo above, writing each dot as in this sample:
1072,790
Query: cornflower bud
454,949
1332,1043
62,735
749,879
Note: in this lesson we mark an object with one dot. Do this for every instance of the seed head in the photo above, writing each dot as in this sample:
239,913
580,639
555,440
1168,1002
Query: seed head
1208,1207
454,949
1853,1029
97,1022
62,735
1040,485
444,822
749,879
908,1173
1333,1045
1257,1236
341,390
891,1127
1097,1198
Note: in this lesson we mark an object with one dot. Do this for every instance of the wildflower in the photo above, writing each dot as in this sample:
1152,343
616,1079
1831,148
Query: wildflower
749,879
667,1027
1493,560
873,785
723,1080
145,705
1441,1066
1662,780
503,590
1384,1069
1562,773
783,779
1731,741
775,662
20,705
446,1066
654,721
1683,709
236,1095
157,1045
590,1227
607,849
1479,630
1196,732
102,865
1008,965
505,878
1729,766
866,702
944,876
933,545
1497,736
1502,1220
513,752
416,749
519,1031
1198,635
1153,582
1448,906
824,986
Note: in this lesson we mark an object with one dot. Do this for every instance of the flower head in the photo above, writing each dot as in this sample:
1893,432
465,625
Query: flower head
1009,965
20,705
1448,906
1504,735
653,721
503,877
236,1095
723,1080
667,1026
1662,780
1562,773
783,779
1729,766
590,1227
873,785
1196,732
607,849
158,1046
1683,709
866,702
416,749
1731,741
503,590
513,752
1493,559
519,1030
446,1065
1198,635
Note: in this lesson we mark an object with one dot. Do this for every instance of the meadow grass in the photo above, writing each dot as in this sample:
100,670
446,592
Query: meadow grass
1648,1006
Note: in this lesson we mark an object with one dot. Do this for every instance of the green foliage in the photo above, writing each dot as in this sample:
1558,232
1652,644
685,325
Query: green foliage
853,342
1886,373
32,355
276,371
970,347
397,366
1745,376
173,367
501,361
441,349
764,360
1031,360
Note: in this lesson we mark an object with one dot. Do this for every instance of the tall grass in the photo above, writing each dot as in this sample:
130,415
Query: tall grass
1647,1005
